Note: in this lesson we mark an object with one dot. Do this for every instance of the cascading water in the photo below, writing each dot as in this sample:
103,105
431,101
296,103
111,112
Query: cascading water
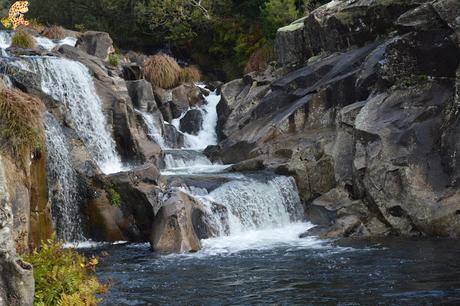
49,44
63,183
5,41
154,132
70,83
207,135
258,208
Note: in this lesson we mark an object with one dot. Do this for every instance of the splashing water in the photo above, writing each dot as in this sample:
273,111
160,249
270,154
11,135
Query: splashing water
207,135
49,44
70,83
62,182
154,132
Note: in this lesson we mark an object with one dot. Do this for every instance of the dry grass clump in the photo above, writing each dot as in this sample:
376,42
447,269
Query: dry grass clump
54,32
190,74
36,25
162,71
259,59
23,40
21,129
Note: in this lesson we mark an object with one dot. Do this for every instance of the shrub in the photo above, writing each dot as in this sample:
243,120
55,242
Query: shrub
190,74
63,277
20,122
115,198
162,71
23,39
36,25
54,32
259,60
113,59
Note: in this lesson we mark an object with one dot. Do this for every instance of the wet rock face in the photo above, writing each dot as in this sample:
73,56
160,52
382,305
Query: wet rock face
16,277
192,122
371,132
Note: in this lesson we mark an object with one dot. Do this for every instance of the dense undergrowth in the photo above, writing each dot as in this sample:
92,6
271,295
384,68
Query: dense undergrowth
63,277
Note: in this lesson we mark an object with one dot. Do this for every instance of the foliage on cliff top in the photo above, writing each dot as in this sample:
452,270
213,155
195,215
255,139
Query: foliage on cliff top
63,277
162,71
218,35
22,39
21,130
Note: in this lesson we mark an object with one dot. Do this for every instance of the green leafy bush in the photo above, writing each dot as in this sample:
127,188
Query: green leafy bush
113,59
20,124
22,39
162,71
190,74
63,277
115,198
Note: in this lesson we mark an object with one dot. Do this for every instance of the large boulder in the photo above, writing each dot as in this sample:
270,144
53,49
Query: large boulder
123,205
99,44
173,230
192,122
141,94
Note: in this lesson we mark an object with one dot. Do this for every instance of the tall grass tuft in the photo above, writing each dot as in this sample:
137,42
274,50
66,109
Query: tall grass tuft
22,39
63,277
259,59
162,71
21,130
54,32
190,74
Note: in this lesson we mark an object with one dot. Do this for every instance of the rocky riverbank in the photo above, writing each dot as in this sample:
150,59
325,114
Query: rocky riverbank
363,113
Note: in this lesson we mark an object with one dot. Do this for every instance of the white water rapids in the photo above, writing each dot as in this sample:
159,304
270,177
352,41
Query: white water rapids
260,210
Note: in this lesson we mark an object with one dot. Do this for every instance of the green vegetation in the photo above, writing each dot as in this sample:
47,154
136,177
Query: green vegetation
115,198
413,80
113,59
63,277
162,71
20,125
218,35
22,39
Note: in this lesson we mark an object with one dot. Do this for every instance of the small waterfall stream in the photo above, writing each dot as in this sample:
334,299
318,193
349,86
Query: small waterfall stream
62,183
255,205
71,83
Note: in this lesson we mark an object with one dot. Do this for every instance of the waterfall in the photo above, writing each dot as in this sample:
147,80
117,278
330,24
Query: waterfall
62,183
5,41
254,203
71,83
207,135
153,131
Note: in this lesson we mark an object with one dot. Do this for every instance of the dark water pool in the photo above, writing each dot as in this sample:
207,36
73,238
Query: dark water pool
389,272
